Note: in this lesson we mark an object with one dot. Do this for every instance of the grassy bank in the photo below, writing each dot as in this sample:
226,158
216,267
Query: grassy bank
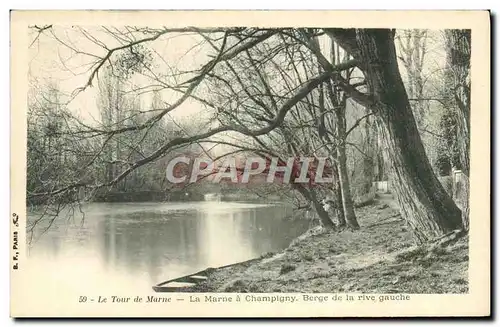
379,258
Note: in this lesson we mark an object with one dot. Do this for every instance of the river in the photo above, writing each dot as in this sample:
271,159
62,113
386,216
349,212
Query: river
132,246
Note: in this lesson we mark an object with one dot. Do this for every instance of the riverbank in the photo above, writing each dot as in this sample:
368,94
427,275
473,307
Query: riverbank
379,258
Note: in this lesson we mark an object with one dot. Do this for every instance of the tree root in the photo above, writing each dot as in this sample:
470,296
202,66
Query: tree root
448,238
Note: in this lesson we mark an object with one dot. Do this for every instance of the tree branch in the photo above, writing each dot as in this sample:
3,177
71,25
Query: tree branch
278,120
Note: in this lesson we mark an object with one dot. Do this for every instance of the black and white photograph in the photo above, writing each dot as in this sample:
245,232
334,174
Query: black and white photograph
171,168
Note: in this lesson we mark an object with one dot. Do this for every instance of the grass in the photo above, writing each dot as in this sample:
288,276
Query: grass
286,268
379,258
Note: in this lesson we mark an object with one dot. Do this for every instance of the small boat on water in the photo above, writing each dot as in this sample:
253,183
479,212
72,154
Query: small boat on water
185,283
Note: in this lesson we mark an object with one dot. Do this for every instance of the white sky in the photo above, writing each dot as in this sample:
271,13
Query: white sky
52,61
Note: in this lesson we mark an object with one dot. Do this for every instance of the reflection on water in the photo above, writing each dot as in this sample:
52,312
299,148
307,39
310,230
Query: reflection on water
145,243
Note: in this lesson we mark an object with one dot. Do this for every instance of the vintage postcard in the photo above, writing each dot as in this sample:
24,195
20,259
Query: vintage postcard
250,163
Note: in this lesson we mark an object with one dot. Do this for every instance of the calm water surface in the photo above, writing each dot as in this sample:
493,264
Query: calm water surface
131,246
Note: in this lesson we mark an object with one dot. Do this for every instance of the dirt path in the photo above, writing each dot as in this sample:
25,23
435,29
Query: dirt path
381,258
388,198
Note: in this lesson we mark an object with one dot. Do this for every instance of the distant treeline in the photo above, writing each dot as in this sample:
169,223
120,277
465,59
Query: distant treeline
148,196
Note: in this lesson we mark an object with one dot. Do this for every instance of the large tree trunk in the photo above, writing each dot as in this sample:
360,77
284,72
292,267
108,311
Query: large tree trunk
428,209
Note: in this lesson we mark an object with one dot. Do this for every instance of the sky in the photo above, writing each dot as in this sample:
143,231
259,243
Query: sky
52,61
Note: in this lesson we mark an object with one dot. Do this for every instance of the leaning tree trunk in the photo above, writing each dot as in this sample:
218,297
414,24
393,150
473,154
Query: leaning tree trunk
428,209
318,207
320,210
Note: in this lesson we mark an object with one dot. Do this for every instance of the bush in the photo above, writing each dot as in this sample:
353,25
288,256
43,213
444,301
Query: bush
286,268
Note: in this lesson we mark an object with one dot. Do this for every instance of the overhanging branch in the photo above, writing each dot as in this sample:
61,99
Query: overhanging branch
278,120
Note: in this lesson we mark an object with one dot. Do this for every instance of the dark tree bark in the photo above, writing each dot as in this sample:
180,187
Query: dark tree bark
423,202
